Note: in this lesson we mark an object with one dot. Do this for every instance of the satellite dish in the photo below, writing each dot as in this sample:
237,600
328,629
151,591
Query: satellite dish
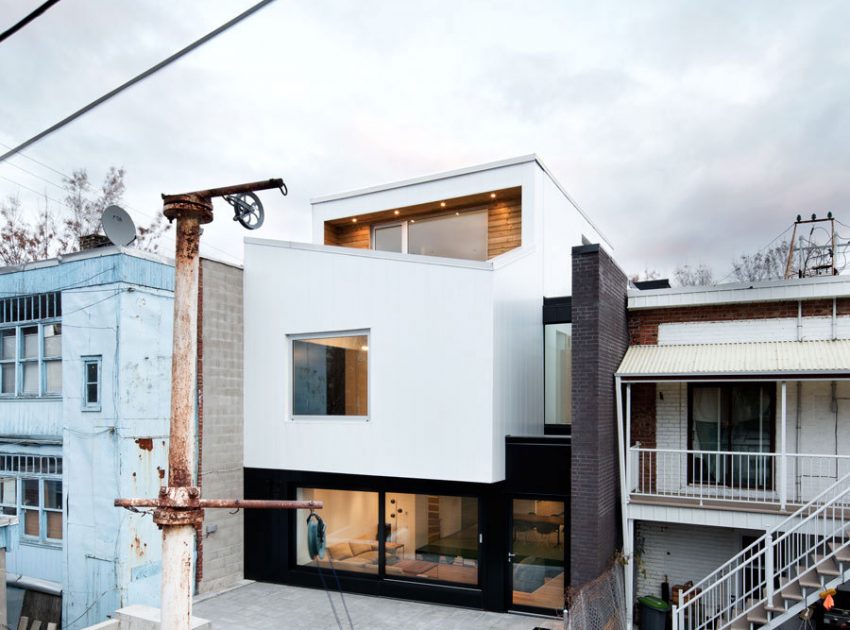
118,226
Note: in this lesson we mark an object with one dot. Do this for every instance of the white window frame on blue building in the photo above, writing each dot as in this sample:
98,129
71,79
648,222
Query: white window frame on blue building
42,473
31,346
92,388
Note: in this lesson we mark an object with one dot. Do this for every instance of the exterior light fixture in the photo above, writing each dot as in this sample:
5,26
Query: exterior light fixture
492,195
442,204
395,212
354,220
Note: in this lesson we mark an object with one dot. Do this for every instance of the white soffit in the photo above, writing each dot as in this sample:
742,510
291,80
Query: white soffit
738,359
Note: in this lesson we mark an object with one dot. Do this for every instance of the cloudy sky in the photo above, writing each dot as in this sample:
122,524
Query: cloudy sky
689,131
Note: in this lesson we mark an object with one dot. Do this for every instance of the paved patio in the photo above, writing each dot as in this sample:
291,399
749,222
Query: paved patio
260,606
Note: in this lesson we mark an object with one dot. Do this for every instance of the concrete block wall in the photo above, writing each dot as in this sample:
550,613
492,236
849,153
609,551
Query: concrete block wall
600,338
680,552
221,551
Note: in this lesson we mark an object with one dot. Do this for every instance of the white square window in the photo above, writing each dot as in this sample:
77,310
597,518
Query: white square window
330,375
91,383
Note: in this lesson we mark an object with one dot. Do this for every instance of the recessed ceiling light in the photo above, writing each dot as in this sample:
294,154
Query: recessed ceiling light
413,220
364,348
354,220
457,214
395,212
442,204
492,195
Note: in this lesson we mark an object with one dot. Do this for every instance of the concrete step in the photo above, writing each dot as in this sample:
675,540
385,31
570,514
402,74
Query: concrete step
825,566
758,615
778,605
808,577
790,590
841,551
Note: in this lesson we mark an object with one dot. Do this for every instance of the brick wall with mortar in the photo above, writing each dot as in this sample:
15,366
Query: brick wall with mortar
600,337
680,552
643,324
221,452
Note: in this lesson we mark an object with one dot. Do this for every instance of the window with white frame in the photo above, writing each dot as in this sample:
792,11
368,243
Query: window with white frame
31,488
330,375
91,383
31,360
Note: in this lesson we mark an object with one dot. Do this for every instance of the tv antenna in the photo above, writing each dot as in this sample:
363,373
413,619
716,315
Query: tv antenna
118,226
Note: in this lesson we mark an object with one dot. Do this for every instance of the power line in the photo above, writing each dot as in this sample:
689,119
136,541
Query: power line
139,77
29,18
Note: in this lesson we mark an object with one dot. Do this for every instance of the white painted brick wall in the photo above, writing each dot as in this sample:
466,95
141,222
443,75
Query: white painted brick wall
680,552
750,330
819,433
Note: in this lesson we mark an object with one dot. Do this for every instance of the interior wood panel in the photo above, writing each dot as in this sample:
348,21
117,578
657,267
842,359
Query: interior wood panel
504,220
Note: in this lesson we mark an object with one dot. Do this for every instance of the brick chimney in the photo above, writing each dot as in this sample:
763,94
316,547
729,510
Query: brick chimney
93,241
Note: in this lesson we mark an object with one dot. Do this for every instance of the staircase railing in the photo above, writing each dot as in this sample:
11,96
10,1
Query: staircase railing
752,577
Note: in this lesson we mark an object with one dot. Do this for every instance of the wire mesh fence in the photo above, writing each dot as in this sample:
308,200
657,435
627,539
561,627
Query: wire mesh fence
599,604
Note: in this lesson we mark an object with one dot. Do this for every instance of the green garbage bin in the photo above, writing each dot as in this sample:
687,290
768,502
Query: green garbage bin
653,612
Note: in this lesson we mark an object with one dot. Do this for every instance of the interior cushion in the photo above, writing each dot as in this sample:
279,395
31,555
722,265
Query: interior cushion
340,551
358,548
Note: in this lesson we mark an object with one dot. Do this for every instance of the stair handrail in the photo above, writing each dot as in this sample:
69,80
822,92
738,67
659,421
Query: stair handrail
694,596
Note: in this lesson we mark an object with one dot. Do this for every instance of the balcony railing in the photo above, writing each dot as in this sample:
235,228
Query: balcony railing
732,476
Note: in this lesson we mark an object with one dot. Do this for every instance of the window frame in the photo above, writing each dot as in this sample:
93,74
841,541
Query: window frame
405,224
40,360
290,409
725,388
86,404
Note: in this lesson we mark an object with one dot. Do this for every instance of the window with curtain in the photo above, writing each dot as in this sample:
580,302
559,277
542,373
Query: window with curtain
730,424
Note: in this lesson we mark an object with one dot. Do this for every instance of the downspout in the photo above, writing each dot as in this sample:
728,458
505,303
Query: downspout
799,320
834,319
628,567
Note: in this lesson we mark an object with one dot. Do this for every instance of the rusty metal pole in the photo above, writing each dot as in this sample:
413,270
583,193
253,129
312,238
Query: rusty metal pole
178,524
179,507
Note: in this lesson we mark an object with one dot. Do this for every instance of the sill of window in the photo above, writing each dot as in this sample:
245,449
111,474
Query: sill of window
46,397
50,544
90,409
344,419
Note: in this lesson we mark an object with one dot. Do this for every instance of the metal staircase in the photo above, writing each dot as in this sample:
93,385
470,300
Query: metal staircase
780,574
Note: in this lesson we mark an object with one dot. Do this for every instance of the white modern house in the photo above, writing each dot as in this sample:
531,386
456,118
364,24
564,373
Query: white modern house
735,448
388,361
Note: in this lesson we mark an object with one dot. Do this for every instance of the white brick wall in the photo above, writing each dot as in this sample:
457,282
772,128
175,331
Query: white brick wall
819,433
749,330
680,552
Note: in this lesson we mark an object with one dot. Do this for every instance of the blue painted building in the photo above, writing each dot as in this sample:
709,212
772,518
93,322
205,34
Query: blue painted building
85,360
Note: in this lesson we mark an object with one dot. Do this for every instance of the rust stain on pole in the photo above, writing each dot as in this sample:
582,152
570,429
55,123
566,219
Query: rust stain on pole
179,509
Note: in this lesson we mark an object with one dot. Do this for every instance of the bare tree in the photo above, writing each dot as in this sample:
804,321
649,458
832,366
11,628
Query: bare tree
646,274
767,265
24,241
699,276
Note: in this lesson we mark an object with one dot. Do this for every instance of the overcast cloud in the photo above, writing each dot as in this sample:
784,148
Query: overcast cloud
689,131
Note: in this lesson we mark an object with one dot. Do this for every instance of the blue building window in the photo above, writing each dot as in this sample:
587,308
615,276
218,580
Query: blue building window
31,360
91,383
31,488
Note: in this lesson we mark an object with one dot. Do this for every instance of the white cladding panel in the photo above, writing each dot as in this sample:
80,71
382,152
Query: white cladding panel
562,228
431,350
434,190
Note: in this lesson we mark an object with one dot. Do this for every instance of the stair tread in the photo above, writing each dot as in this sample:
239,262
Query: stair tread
758,615
790,590
808,577
841,551
825,565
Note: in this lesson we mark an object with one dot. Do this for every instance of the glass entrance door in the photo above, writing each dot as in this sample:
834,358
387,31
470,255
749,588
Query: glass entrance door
537,558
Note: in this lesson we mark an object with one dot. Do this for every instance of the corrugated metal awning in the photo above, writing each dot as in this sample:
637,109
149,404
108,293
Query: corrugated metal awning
768,358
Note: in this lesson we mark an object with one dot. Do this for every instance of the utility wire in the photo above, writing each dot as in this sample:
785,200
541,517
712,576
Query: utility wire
29,18
139,77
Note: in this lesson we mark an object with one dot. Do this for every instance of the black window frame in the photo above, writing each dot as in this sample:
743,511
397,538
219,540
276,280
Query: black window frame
726,398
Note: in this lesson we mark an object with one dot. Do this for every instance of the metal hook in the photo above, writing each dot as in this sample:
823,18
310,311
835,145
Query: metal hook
283,189
236,511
